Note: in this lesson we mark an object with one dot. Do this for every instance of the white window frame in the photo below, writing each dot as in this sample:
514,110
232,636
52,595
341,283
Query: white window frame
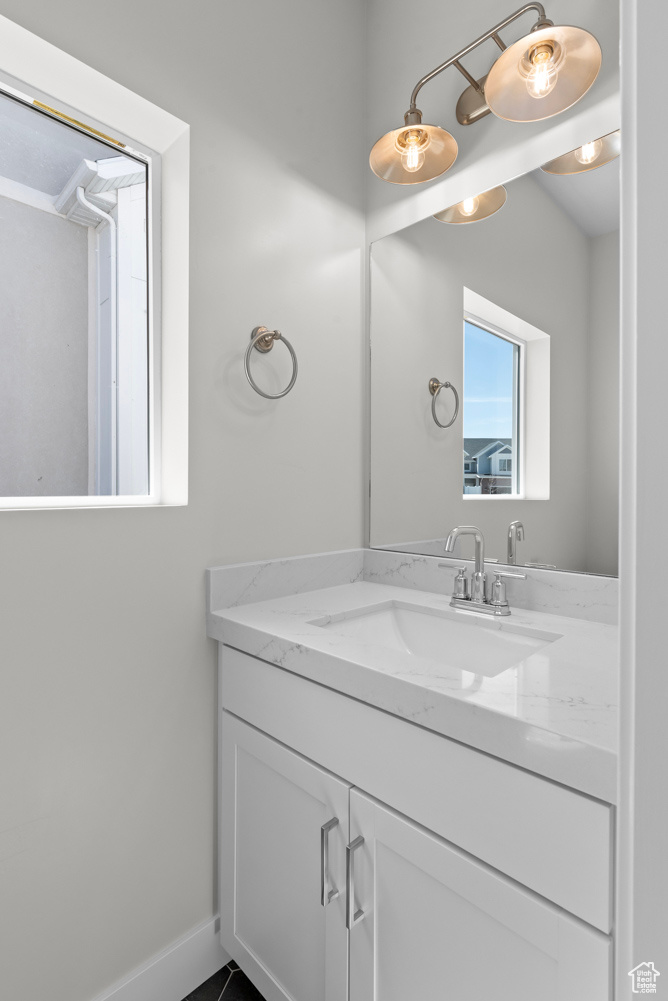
518,394
533,460
34,70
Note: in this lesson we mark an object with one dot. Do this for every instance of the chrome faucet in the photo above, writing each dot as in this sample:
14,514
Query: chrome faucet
478,588
515,535
477,601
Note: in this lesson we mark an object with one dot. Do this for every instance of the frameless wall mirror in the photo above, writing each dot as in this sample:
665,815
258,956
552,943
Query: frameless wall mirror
74,342
520,313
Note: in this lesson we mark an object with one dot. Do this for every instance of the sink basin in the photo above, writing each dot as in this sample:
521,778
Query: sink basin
458,639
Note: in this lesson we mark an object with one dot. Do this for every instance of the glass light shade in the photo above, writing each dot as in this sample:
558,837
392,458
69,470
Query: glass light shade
487,204
544,73
413,153
579,160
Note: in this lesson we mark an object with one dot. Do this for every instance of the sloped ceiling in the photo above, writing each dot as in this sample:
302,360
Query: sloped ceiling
591,199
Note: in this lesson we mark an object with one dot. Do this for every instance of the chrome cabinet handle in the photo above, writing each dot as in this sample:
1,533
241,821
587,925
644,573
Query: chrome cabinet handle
326,895
353,916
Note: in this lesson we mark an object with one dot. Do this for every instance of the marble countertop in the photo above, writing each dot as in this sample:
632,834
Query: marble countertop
554,713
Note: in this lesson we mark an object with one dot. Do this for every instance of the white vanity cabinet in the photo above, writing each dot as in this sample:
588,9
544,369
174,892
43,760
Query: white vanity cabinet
436,923
284,828
445,883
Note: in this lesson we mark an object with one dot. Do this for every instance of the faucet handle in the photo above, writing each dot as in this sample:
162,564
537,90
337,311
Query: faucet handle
461,581
499,588
498,598
461,584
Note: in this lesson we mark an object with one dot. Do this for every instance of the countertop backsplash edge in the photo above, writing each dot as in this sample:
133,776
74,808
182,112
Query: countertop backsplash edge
581,596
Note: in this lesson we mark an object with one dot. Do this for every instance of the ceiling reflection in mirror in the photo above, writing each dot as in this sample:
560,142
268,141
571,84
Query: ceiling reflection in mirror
519,314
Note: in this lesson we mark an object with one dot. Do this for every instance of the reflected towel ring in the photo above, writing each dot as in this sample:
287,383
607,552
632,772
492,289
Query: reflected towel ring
262,340
435,388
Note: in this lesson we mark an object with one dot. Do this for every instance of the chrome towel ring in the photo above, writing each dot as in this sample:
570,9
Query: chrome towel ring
262,340
435,388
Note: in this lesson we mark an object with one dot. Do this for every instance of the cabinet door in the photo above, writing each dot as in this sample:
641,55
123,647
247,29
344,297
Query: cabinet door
433,922
282,876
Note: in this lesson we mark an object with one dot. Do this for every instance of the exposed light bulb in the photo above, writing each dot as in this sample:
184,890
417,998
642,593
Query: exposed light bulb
587,154
412,144
412,159
542,77
469,206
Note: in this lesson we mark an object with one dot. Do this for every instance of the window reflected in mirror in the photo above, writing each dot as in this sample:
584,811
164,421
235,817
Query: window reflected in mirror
74,378
491,412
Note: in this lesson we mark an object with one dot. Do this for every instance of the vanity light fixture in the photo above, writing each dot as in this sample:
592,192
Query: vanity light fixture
414,153
476,208
539,76
543,74
587,157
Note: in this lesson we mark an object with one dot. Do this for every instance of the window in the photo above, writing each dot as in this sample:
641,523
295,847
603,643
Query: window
74,342
491,408
507,407
141,161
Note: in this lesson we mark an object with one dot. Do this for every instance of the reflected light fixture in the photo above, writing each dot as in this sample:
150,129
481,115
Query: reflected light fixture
476,208
587,157
541,75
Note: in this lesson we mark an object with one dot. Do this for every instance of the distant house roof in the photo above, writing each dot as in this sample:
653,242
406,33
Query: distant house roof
476,446
503,451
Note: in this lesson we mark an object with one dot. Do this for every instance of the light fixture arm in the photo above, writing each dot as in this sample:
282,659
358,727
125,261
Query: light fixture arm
454,60
467,76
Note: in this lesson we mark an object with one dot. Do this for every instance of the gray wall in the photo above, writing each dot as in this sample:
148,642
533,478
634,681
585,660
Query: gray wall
43,354
107,715
416,315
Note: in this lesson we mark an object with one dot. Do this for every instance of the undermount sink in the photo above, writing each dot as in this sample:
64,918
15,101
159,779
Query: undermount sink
458,639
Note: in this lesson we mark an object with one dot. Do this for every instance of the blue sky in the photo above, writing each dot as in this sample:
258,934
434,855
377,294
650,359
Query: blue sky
488,384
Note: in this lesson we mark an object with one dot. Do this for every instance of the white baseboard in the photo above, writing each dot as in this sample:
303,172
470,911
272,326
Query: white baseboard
176,971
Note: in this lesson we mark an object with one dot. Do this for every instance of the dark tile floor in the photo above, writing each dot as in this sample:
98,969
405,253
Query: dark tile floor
229,984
